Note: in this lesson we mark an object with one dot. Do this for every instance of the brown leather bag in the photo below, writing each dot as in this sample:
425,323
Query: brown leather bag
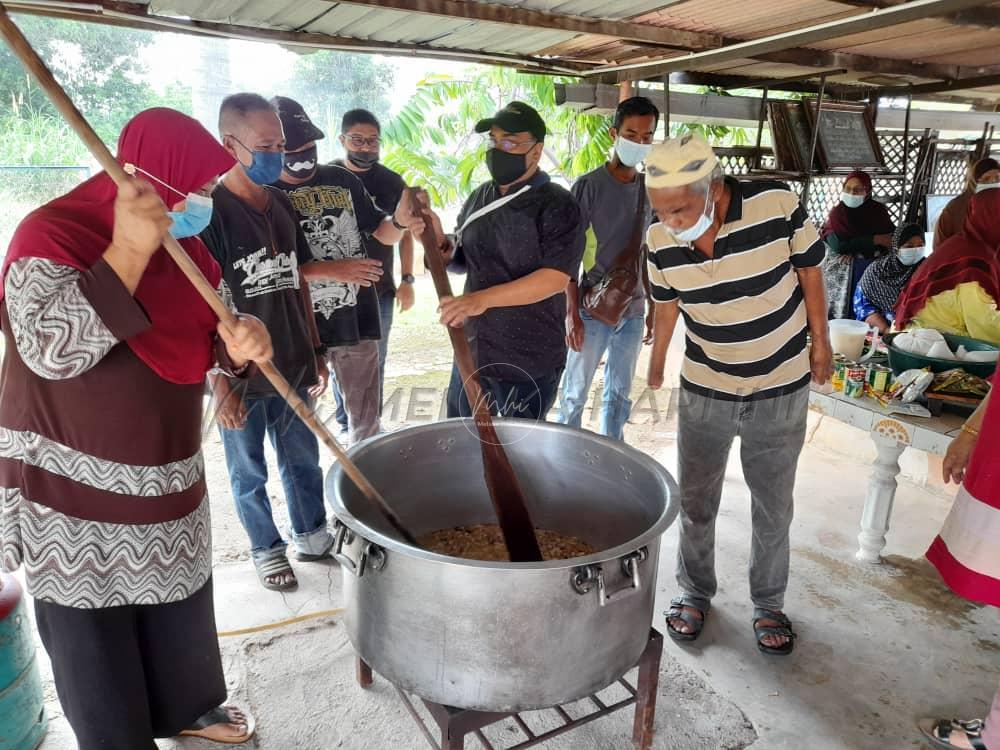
609,299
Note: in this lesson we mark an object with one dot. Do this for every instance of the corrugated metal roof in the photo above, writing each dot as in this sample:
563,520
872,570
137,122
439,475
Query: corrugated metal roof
941,42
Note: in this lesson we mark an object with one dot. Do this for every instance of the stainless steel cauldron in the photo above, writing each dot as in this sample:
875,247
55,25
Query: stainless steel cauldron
502,636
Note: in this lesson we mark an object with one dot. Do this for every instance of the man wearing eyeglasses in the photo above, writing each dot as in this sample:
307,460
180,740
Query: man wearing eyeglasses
361,137
519,241
335,211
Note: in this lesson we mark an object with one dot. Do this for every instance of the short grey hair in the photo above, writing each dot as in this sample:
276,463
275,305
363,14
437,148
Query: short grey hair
703,185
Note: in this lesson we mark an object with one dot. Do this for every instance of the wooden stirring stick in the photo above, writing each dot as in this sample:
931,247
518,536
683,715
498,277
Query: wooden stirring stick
505,491
34,64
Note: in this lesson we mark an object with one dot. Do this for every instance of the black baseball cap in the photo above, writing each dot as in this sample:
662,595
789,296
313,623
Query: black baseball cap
516,117
299,129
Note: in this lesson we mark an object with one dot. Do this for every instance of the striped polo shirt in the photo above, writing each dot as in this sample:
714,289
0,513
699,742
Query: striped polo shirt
744,308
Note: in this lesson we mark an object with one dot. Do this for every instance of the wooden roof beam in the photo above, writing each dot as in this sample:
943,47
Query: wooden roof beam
988,18
655,36
862,22
941,87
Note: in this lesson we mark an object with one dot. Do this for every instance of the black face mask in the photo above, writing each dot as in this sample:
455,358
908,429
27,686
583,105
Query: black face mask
505,168
301,163
363,159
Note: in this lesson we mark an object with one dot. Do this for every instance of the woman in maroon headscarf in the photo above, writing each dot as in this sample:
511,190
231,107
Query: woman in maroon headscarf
857,231
957,289
983,175
101,476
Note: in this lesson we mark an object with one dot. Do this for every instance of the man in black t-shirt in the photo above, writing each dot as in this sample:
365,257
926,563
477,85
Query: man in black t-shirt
519,241
360,135
335,211
255,237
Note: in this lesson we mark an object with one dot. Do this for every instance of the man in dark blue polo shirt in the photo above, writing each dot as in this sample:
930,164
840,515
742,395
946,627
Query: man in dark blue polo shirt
519,240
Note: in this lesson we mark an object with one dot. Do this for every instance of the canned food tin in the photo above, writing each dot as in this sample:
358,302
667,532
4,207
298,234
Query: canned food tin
840,365
854,382
879,378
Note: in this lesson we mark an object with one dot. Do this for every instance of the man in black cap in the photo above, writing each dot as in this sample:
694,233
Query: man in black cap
519,240
334,211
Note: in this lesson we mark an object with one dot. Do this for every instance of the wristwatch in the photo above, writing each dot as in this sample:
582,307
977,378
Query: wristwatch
407,278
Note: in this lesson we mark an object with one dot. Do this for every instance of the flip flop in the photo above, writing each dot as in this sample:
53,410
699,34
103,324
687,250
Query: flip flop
219,715
275,566
938,731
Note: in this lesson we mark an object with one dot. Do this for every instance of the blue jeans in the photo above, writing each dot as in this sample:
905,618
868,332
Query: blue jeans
386,305
523,400
622,345
298,463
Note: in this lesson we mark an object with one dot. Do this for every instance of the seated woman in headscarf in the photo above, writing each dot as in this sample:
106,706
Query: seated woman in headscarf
857,231
884,280
983,175
956,290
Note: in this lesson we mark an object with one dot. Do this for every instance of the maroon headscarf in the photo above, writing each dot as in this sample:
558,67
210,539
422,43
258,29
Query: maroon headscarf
970,255
75,230
870,218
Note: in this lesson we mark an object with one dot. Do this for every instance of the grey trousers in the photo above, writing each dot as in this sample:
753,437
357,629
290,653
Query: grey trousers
772,432
357,371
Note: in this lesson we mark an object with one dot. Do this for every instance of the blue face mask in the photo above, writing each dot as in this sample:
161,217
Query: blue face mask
265,167
910,256
631,153
703,224
852,201
983,186
193,219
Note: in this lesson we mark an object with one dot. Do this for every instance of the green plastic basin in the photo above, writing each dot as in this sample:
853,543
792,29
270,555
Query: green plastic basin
900,360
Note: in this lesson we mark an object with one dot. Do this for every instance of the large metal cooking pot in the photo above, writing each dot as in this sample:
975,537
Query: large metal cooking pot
502,636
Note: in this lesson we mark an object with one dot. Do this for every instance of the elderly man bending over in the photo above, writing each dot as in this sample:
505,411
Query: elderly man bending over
740,261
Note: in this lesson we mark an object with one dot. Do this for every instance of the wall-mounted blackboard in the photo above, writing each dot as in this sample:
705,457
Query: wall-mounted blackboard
847,137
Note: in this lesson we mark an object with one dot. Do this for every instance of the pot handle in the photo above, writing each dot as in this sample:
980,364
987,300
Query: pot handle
372,556
584,578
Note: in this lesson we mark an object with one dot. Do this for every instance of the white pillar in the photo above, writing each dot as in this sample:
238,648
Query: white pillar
878,503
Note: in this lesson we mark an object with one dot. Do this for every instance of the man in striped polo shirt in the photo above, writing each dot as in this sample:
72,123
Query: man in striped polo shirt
740,261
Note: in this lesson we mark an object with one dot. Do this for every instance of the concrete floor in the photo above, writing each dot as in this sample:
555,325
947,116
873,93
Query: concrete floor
879,645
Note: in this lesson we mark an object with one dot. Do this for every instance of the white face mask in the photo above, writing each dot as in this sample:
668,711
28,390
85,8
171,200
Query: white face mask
701,226
629,152
910,256
986,186
852,201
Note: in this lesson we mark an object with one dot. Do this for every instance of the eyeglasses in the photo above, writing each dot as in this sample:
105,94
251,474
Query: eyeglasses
505,144
359,141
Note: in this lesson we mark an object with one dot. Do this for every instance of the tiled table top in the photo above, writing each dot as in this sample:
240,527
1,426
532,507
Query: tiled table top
931,434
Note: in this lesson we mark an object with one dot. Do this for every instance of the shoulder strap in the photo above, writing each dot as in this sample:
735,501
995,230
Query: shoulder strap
627,257
488,209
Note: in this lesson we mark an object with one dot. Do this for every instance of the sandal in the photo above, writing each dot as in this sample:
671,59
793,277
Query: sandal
273,567
676,612
782,629
326,554
221,715
939,731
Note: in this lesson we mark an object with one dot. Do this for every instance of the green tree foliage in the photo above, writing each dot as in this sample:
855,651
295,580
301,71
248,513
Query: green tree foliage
101,68
329,83
431,141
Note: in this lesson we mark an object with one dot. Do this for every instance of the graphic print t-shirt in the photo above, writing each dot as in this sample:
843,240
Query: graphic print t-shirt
386,188
335,212
260,254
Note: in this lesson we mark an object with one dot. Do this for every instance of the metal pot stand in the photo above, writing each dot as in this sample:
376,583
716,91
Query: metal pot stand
454,724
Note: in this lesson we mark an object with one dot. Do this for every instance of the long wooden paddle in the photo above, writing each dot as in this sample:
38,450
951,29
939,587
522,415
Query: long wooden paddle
505,491
34,64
